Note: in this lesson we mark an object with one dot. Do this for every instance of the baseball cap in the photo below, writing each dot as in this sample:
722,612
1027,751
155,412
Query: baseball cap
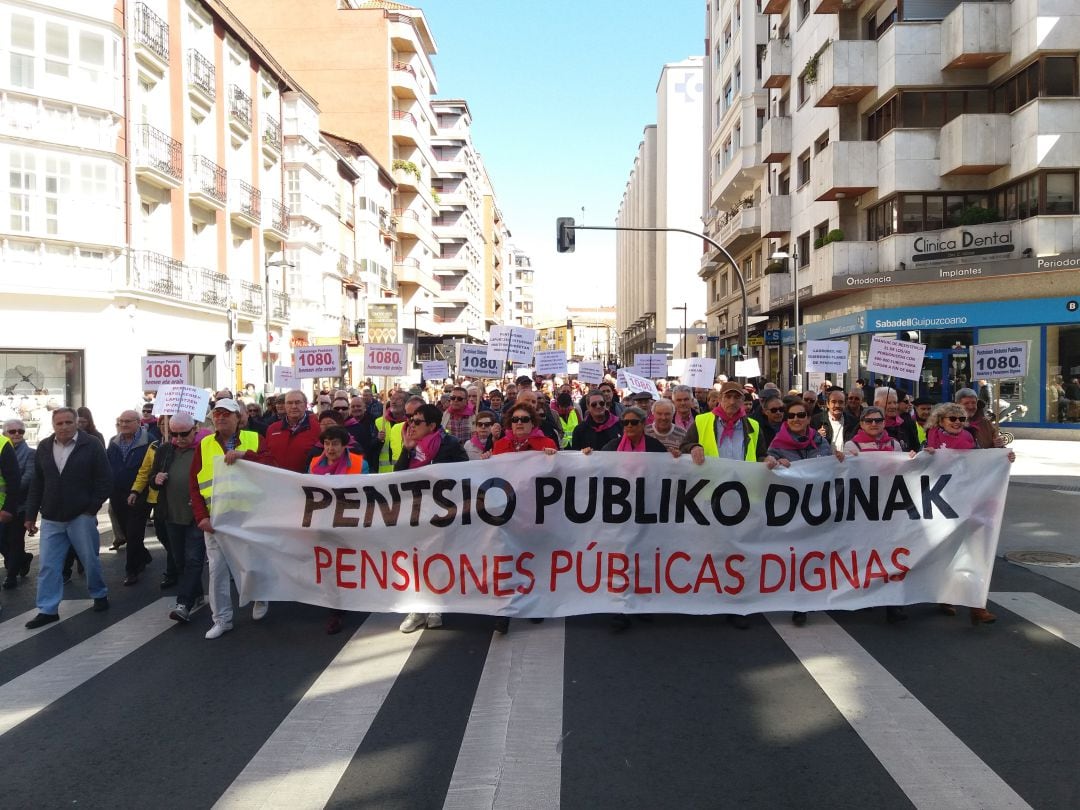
227,405
731,386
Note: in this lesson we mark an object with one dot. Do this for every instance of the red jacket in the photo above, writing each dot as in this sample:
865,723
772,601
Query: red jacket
506,444
291,450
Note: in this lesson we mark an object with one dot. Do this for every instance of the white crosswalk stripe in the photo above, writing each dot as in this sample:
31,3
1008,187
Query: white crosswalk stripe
13,631
1050,616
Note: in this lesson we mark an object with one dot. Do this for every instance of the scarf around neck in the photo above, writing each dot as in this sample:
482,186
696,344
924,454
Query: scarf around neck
868,443
612,419
786,440
729,422
426,448
324,467
626,446
525,444
942,439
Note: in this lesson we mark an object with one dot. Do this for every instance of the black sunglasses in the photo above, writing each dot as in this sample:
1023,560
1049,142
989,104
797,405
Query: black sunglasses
483,424
183,432
774,410
796,415
631,422
457,399
874,420
343,410
418,421
956,418
13,431
597,405
517,420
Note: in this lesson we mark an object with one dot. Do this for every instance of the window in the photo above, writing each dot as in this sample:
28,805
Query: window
800,91
804,249
22,39
91,56
56,49
804,11
913,108
1049,76
748,267
821,143
821,230
736,79
57,188
292,188
729,96
783,184
20,187
1061,193
804,168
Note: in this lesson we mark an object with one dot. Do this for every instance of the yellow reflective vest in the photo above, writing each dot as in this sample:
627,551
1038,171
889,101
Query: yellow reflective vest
392,445
4,442
706,431
210,447
568,426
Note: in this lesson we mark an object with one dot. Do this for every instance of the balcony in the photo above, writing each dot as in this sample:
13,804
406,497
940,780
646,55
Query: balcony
1045,135
278,228
271,137
403,80
279,306
248,201
249,301
975,35
844,169
776,215
202,84
975,144
208,184
408,271
151,37
344,265
846,71
159,159
239,111
908,56
776,67
775,6
158,274
406,180
403,127
839,261
908,161
776,139
743,226
213,288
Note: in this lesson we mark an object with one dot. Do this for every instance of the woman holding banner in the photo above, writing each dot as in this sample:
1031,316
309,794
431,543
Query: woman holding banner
795,441
479,445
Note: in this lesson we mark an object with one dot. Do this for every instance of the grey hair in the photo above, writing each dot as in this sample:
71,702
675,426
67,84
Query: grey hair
666,404
636,411
182,421
682,389
965,392
15,423
885,393
871,410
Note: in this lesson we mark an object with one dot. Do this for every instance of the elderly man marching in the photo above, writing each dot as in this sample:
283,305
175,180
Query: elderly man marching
230,441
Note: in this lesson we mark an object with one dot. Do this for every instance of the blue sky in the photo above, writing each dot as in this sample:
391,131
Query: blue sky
560,92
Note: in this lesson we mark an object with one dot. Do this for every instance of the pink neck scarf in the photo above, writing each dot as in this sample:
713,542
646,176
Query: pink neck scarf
786,440
868,443
426,449
626,446
729,421
941,439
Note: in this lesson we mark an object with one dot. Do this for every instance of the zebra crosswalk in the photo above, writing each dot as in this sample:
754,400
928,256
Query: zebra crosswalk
135,710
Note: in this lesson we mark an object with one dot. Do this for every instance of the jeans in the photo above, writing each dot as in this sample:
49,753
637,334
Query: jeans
80,534
220,582
187,544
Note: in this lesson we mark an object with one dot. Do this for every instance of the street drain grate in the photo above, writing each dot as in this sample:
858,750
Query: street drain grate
1055,559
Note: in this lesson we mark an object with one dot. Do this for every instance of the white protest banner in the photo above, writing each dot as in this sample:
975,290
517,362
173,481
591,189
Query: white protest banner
434,370
651,365
830,356
700,372
385,360
995,361
572,368
511,343
285,377
814,379
472,361
551,362
317,361
896,358
174,399
747,368
568,534
590,372
636,383
159,370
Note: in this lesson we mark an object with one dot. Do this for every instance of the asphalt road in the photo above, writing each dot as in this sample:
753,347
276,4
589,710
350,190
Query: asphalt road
126,710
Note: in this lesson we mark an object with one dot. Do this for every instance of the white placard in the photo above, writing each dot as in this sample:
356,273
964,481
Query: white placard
590,372
814,379
635,383
472,361
571,368
551,362
996,361
285,377
174,399
317,361
896,358
747,368
164,370
651,365
385,360
829,356
434,369
700,372
511,343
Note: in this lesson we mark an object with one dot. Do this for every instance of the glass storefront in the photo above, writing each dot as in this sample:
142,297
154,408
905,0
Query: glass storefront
1062,374
1019,396
35,383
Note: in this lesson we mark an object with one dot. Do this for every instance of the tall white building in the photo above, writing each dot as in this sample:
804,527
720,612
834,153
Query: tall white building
519,285
657,272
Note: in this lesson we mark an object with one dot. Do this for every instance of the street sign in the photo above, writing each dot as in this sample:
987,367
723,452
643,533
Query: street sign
756,340
772,337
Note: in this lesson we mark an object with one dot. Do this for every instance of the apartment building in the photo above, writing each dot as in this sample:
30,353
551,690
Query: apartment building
921,161
143,148
656,273
459,187
374,83
496,234
519,285
587,333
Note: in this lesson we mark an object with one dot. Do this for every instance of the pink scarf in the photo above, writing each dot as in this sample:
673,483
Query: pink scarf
460,413
626,446
786,440
536,433
868,443
894,421
323,467
426,449
728,422
477,443
611,420
942,439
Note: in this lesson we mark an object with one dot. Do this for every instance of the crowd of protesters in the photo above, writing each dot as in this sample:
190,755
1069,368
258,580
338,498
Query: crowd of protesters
159,472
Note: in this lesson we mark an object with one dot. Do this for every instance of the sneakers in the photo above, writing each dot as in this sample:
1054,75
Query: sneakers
218,629
199,604
41,620
414,621
434,620
259,610
180,613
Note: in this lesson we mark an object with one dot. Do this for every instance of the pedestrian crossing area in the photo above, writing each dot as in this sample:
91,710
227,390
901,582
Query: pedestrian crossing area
677,712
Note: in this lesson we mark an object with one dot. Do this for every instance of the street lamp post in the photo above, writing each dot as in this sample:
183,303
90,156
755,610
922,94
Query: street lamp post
267,264
683,308
794,258
416,332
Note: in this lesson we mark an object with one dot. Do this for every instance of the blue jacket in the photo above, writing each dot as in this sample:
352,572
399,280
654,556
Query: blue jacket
125,467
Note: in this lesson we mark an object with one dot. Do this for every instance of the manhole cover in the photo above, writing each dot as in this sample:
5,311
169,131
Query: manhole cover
1052,558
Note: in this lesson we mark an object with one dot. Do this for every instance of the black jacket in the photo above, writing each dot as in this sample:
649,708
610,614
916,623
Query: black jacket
585,435
652,445
450,450
906,433
80,490
12,476
850,423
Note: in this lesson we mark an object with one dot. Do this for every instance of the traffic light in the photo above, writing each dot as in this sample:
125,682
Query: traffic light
569,324
564,234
